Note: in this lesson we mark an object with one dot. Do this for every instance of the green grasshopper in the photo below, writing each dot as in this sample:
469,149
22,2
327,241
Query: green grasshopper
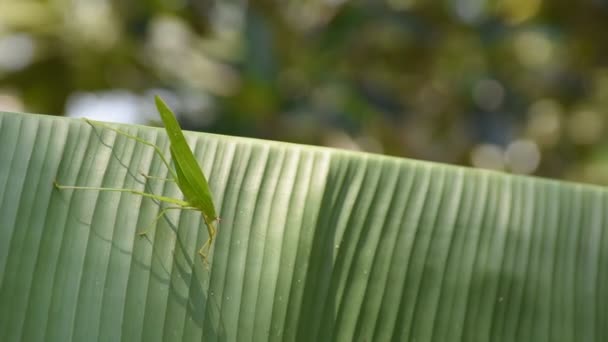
186,173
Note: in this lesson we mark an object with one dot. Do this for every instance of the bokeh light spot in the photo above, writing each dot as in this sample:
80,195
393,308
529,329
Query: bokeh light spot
469,11
16,51
517,11
533,49
10,102
488,94
112,106
522,156
544,124
585,127
488,156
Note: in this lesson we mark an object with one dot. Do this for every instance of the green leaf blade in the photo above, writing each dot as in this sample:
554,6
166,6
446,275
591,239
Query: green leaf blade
315,244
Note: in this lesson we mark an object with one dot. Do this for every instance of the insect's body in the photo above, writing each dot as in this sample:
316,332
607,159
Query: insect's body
187,174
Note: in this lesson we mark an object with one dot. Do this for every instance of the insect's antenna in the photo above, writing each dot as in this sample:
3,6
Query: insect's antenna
120,161
138,139
147,186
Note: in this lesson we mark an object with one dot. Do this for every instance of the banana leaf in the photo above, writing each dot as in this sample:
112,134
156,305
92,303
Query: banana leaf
314,244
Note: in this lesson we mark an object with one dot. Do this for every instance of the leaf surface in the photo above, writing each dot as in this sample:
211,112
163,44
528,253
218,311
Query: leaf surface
315,244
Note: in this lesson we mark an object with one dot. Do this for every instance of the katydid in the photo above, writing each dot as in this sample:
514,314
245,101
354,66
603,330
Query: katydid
186,173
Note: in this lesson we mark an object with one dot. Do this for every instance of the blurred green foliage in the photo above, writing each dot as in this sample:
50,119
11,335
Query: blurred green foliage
516,85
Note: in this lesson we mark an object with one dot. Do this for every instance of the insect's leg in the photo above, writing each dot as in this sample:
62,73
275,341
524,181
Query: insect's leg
157,178
210,228
175,201
138,139
207,246
153,224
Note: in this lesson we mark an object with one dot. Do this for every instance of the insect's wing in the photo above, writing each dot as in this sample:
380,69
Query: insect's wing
190,177
191,194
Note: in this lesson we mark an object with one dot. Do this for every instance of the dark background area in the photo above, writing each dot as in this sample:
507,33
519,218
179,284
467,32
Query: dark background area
514,85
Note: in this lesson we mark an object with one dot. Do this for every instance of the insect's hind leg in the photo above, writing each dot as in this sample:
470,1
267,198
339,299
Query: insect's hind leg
204,251
162,179
155,221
